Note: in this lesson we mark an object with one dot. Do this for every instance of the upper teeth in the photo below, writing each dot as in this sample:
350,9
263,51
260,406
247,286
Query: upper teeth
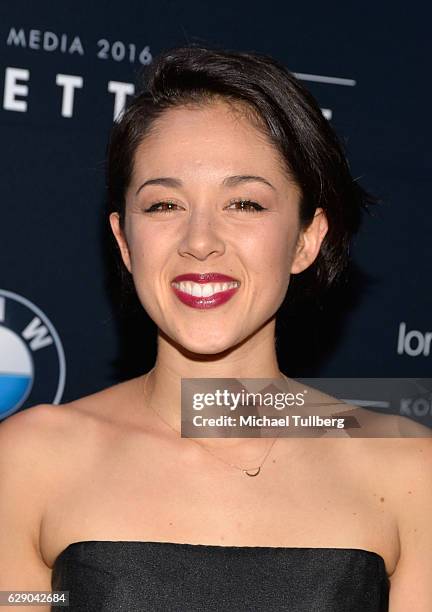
204,289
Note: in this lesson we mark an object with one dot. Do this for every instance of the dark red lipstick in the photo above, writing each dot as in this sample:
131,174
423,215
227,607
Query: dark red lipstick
205,290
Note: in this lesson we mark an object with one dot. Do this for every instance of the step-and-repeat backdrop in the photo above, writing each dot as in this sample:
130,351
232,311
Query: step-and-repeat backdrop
68,69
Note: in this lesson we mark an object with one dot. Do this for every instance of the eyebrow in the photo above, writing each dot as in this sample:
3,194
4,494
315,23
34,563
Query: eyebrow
229,181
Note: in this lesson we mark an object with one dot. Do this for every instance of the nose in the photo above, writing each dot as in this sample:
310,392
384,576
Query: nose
201,237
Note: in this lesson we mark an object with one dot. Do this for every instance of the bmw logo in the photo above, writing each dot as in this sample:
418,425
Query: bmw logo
32,361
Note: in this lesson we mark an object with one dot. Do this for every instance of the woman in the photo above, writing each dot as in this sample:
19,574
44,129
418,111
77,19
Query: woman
224,171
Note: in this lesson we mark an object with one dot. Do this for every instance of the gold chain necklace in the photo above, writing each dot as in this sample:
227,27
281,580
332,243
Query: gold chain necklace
251,472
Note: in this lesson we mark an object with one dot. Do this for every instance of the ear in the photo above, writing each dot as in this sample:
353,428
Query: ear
309,242
114,219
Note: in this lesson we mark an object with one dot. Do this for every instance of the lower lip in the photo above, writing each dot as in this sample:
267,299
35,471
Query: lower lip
205,302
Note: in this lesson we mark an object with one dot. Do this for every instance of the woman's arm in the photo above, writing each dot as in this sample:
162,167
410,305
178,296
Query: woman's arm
411,583
24,481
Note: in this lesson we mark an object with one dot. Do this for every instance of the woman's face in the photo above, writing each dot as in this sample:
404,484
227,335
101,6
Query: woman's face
199,164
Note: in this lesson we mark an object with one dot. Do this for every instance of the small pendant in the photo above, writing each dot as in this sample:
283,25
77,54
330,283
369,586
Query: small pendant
249,473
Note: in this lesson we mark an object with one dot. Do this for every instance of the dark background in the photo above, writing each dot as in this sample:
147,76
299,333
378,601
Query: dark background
52,241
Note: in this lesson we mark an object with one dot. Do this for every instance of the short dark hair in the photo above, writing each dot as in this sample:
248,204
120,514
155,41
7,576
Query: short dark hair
289,116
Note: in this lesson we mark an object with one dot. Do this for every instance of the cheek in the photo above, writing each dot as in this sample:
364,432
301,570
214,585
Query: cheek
270,251
146,249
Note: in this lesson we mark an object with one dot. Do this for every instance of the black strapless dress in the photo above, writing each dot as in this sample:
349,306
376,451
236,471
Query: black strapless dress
116,576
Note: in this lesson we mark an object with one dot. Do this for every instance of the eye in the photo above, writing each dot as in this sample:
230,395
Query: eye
168,206
247,205
156,207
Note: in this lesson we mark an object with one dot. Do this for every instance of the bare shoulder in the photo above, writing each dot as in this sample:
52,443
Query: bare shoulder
44,446
411,471
360,422
387,451
28,433
115,405
393,447
47,433
398,472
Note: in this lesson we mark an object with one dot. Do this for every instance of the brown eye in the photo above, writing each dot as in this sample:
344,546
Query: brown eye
156,207
247,205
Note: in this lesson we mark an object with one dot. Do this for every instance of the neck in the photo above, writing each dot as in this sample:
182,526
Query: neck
255,357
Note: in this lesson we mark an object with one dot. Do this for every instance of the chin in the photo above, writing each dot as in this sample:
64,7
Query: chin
206,347
204,343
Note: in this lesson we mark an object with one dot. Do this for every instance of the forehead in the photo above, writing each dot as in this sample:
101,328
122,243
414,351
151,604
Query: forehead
216,137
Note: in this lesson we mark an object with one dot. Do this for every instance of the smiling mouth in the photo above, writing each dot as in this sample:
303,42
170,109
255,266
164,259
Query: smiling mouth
204,295
204,290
